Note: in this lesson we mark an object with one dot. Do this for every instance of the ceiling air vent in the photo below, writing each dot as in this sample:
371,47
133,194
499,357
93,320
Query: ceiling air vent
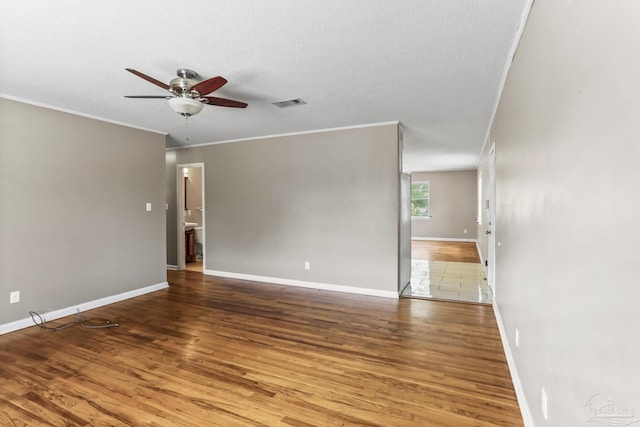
289,103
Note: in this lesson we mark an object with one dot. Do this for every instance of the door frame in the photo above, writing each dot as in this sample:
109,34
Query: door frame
404,233
491,225
180,217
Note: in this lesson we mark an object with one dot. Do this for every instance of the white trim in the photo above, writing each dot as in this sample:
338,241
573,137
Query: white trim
172,267
503,80
180,207
445,239
279,135
77,113
191,165
203,215
63,312
491,221
305,284
466,169
527,418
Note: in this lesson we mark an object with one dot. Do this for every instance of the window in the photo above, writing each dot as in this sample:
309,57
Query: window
420,200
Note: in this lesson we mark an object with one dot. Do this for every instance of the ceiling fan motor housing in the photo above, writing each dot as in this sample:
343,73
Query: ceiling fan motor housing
181,86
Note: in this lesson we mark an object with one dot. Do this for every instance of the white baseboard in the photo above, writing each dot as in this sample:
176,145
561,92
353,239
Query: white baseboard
527,418
68,311
445,239
172,267
305,284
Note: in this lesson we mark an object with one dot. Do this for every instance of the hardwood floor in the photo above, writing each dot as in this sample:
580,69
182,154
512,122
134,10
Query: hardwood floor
430,250
222,352
194,266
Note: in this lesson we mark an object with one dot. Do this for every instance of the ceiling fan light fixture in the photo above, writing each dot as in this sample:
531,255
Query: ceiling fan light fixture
185,106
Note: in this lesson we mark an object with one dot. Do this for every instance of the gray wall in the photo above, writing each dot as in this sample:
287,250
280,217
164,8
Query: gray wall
567,136
331,198
73,224
452,199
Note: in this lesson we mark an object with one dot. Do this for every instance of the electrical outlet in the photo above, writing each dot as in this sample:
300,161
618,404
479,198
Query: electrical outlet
517,338
465,231
148,207
543,403
307,265
14,297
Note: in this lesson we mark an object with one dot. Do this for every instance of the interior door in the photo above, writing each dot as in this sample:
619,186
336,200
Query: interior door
491,225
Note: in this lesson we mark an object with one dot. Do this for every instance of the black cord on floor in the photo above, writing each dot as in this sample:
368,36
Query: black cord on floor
82,321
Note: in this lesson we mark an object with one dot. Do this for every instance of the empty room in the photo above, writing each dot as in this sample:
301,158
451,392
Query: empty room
336,213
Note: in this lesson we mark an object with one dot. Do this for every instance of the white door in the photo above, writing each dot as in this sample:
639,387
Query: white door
491,225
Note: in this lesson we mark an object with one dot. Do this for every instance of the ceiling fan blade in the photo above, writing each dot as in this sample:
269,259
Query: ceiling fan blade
222,102
210,85
149,79
148,96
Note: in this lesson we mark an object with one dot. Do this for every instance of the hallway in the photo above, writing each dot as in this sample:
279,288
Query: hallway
447,271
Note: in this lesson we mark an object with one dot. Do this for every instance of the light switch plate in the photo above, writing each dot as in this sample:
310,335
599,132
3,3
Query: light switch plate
148,207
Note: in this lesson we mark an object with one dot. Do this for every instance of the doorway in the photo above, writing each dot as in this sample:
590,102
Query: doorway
447,270
491,225
191,227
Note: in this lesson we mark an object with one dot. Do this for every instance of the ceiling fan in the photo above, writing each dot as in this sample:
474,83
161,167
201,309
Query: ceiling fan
187,94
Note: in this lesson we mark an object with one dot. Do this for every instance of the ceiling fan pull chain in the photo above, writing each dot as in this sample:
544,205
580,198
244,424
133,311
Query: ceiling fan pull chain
186,127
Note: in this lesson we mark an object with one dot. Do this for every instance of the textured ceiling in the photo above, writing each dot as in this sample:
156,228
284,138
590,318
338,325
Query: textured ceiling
434,65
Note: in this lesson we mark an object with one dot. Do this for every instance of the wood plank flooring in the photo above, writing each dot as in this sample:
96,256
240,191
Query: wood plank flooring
430,250
222,352
194,266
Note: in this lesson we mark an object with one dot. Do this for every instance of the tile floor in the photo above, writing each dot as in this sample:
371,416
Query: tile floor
457,281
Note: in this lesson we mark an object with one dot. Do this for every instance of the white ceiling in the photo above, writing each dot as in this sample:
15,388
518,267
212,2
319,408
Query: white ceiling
435,65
